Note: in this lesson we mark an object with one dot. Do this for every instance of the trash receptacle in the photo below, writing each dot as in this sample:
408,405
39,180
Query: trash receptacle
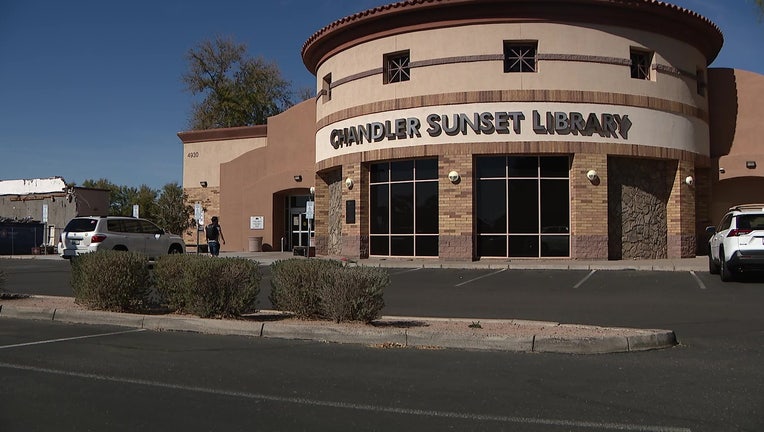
255,244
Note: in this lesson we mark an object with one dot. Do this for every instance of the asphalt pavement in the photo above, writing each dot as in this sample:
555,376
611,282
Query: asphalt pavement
590,339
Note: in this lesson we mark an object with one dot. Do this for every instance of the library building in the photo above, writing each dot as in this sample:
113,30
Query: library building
479,130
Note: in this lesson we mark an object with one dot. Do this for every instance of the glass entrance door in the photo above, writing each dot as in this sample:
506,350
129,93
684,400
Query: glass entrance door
297,226
300,229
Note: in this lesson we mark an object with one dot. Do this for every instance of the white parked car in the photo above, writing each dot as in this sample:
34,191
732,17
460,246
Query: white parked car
737,244
89,234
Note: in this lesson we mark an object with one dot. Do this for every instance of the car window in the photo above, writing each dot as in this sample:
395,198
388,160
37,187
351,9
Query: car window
750,221
726,222
115,225
149,228
131,226
81,225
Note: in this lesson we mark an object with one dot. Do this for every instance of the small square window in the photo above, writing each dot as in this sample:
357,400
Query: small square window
520,56
641,61
396,67
326,88
700,79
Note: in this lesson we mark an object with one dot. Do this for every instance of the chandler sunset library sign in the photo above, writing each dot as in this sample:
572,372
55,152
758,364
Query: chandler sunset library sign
606,125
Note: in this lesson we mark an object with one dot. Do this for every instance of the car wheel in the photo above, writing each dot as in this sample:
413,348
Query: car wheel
175,249
713,267
725,272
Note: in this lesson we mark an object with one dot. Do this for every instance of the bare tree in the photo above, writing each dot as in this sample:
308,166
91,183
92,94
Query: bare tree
237,90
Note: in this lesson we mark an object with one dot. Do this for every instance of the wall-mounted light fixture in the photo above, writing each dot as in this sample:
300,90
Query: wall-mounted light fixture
203,184
591,175
349,183
453,176
312,190
298,178
689,181
722,170
750,164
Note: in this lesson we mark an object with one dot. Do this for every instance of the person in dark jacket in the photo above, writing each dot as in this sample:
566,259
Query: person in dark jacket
214,234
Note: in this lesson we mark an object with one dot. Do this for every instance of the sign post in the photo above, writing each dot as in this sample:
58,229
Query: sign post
199,216
309,212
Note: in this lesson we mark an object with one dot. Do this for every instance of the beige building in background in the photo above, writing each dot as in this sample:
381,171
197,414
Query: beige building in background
471,129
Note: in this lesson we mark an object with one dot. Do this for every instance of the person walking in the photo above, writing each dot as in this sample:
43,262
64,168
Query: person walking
214,233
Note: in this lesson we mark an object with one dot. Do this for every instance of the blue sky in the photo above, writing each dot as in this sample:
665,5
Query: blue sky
91,88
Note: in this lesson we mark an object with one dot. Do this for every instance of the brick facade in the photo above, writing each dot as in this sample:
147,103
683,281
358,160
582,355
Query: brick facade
210,199
455,203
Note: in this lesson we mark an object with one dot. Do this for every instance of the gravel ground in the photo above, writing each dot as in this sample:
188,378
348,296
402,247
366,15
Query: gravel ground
457,327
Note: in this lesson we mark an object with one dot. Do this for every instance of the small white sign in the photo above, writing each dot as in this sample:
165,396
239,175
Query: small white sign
136,211
257,222
309,209
44,213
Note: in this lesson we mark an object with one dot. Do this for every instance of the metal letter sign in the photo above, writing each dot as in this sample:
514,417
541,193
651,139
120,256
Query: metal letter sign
309,209
44,213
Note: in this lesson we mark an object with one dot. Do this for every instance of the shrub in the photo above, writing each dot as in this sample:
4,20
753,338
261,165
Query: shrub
296,285
326,289
111,280
206,286
355,294
171,280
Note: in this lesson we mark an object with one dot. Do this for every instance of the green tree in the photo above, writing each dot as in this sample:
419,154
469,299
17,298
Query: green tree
172,211
237,90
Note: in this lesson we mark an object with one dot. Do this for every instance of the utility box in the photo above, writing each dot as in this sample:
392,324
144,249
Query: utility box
255,244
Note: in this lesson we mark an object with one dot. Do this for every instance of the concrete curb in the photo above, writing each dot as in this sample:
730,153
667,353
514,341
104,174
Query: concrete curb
641,340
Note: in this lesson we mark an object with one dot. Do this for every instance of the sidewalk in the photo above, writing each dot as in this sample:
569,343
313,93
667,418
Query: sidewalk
698,264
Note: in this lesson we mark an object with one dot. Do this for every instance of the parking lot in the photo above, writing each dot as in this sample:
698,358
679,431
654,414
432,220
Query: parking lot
91,377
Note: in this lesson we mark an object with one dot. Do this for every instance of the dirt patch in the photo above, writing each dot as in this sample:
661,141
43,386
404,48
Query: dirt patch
441,326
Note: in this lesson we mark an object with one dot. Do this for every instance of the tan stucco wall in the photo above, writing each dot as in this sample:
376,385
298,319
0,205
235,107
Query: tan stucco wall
255,183
462,41
737,135
201,160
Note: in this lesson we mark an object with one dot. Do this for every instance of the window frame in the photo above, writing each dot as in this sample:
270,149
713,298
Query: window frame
519,57
393,72
635,70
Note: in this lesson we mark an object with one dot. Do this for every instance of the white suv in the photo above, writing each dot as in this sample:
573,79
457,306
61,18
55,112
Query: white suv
737,244
89,234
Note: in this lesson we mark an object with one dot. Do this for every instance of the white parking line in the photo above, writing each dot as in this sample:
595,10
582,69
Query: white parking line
406,271
561,423
70,339
479,277
581,282
700,282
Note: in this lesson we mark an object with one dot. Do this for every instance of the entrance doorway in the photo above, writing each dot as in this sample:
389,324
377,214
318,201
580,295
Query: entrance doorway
299,228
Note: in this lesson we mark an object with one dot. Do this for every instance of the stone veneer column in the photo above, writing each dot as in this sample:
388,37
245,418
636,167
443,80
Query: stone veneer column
455,202
681,214
210,199
588,207
321,215
355,236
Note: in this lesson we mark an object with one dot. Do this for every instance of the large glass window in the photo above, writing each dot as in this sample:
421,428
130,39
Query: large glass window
523,206
403,201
